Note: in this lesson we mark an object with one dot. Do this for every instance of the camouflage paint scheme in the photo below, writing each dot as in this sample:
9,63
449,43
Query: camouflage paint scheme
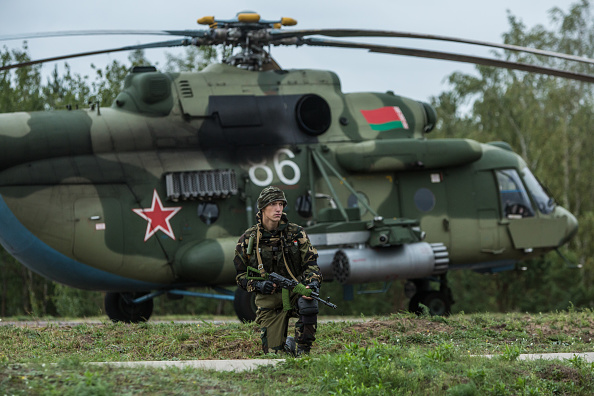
74,185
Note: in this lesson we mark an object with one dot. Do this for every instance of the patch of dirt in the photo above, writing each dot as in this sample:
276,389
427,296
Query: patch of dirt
504,327
402,326
560,373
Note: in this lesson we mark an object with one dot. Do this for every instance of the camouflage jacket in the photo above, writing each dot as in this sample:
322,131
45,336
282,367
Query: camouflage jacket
289,240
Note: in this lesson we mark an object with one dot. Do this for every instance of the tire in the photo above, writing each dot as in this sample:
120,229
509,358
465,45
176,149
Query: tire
245,305
119,309
438,303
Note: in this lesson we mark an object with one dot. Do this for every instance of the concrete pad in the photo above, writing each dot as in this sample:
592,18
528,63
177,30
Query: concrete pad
252,364
587,356
219,365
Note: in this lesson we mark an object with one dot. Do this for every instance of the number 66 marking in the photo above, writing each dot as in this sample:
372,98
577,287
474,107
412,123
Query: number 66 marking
278,167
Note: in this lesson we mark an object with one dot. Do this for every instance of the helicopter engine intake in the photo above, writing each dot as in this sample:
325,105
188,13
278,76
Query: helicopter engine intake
409,261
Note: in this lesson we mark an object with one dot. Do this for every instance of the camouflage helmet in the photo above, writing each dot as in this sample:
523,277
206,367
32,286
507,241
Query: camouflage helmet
270,195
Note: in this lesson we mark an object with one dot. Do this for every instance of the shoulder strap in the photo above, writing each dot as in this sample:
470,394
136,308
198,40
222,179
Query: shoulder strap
260,265
285,261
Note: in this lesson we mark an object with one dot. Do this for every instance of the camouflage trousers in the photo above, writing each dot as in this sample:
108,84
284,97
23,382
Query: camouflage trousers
274,323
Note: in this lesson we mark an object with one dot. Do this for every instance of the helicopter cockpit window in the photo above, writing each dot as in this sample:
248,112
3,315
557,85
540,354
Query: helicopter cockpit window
515,202
544,202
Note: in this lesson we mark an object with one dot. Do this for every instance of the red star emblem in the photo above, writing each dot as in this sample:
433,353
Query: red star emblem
158,217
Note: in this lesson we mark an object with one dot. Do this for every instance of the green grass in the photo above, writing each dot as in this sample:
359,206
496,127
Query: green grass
398,354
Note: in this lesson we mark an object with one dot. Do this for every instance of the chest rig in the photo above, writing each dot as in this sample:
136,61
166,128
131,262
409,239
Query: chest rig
276,251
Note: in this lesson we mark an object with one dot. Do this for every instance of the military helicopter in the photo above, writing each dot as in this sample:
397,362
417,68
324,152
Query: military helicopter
148,197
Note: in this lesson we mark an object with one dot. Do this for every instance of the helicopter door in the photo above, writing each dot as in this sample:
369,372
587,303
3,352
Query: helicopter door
423,196
490,228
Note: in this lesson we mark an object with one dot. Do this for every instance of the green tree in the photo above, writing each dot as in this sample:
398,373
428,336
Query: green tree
67,91
109,81
194,59
547,120
20,88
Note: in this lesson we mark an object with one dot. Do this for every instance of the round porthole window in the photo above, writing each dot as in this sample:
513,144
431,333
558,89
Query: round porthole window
424,200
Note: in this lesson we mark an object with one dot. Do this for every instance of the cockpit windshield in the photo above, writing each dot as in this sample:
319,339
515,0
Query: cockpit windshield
544,202
515,202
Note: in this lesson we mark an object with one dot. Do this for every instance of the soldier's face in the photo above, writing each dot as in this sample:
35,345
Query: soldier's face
273,211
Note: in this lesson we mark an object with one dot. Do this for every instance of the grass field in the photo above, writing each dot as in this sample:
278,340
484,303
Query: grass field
398,354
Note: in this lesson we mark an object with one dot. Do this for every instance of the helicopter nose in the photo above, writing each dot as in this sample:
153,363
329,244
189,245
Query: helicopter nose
571,224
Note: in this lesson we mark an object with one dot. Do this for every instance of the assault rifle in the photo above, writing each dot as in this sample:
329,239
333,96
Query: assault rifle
298,288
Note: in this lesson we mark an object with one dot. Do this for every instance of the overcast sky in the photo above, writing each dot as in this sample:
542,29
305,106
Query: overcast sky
357,69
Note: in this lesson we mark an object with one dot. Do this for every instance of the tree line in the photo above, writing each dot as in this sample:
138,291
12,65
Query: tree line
547,120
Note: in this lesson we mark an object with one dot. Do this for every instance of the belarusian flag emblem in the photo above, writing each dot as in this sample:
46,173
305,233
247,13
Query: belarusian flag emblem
385,118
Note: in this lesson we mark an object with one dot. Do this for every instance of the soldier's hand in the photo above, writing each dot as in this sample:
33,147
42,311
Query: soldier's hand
266,287
307,298
314,286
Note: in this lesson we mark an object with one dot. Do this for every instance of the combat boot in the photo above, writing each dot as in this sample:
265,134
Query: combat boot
290,346
303,349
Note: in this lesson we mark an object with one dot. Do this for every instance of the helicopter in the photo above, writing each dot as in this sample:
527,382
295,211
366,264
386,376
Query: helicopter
149,196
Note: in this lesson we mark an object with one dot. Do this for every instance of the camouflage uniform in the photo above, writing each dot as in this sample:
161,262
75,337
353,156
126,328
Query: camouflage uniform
301,259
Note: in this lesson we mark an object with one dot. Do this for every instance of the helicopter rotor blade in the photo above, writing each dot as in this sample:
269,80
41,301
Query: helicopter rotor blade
263,36
162,44
68,33
386,33
452,57
278,34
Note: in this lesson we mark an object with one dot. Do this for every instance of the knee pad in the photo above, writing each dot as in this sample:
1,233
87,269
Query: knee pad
307,307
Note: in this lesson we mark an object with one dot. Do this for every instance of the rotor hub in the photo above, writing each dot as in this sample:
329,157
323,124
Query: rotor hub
248,32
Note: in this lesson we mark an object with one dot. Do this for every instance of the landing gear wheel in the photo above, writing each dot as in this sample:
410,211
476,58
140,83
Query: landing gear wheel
120,308
439,303
245,305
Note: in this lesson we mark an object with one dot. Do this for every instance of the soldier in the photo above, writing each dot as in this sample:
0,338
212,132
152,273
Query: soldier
275,245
